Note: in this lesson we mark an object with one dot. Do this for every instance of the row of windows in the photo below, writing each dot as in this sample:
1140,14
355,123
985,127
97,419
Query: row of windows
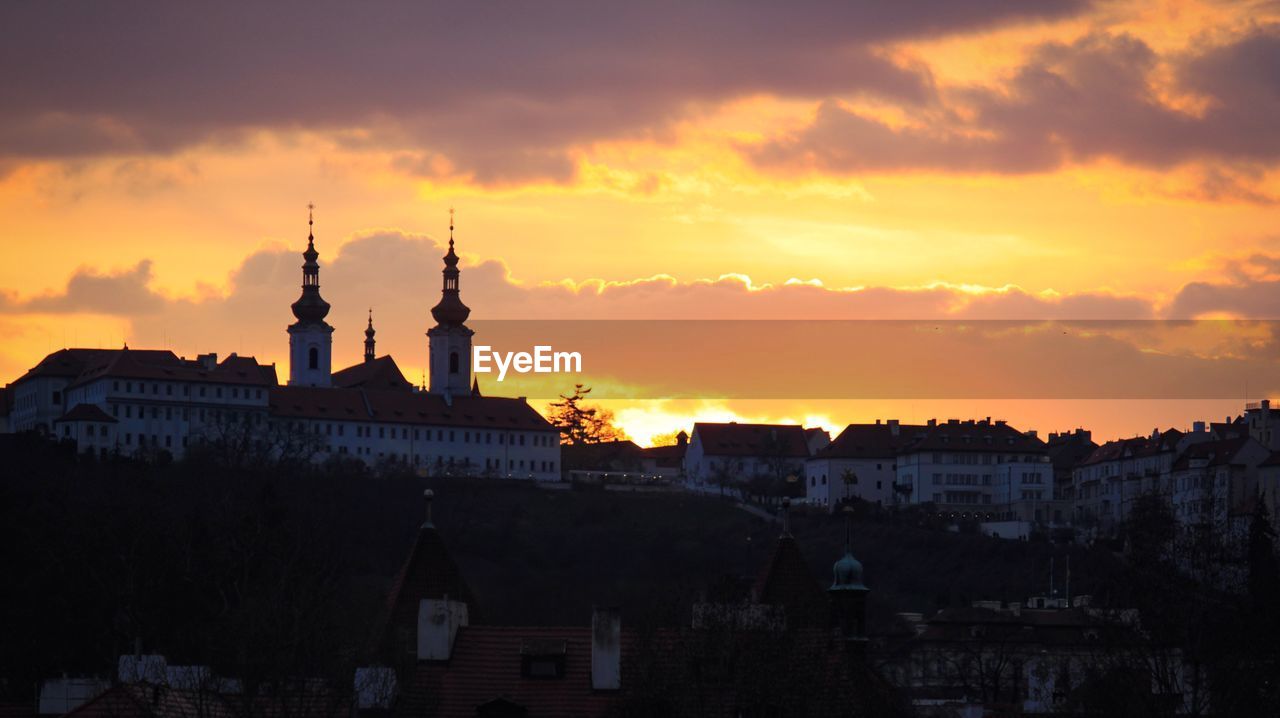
384,432
962,497
962,479
971,458
169,413
202,390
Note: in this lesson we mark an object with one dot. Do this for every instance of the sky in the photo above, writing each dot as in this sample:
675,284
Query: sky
992,159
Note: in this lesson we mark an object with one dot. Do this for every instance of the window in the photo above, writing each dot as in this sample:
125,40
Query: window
313,358
453,362
57,397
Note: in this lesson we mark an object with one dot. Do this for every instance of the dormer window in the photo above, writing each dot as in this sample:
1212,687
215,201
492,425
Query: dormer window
543,658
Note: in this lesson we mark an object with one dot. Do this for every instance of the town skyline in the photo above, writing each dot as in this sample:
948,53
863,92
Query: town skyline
1062,160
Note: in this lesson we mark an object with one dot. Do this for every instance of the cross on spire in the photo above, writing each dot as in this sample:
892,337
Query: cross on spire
311,208
451,227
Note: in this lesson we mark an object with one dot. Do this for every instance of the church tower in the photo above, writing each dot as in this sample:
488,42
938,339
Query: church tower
369,353
449,341
310,338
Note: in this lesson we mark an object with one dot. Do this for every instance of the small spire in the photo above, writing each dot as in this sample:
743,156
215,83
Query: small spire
786,517
428,496
311,208
369,353
451,227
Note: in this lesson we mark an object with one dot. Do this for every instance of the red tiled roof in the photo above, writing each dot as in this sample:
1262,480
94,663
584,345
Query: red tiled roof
338,404
735,439
971,435
869,441
1213,453
1136,447
381,374
71,363
166,366
486,665
86,412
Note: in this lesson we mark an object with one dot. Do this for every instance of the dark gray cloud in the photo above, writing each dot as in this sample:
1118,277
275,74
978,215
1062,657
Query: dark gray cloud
499,88
1072,102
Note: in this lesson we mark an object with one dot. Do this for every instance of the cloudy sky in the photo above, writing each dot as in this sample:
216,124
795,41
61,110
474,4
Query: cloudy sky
991,159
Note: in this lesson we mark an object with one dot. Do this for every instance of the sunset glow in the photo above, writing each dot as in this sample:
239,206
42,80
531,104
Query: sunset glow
1009,160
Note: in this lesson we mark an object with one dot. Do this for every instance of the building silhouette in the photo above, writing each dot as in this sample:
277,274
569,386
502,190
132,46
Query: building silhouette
151,403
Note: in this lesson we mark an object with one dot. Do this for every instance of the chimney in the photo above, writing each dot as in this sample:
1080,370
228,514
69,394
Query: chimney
606,649
208,361
438,624
933,422
1197,427
893,427
682,439
1265,404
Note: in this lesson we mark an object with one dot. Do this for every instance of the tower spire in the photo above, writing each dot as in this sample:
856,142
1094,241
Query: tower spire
310,337
450,310
369,353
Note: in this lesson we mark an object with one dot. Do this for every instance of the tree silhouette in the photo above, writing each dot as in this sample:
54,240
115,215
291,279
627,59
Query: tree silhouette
580,423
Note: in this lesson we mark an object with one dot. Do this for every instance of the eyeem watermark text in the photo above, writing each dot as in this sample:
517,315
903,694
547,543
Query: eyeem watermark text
543,360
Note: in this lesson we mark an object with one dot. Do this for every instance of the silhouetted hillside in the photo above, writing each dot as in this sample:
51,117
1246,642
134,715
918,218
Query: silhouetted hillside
210,566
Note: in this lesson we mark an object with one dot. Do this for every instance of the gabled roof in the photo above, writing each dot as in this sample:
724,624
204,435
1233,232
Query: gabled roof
1223,452
71,363
869,441
1136,447
972,435
86,412
380,374
166,366
734,439
428,572
786,581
